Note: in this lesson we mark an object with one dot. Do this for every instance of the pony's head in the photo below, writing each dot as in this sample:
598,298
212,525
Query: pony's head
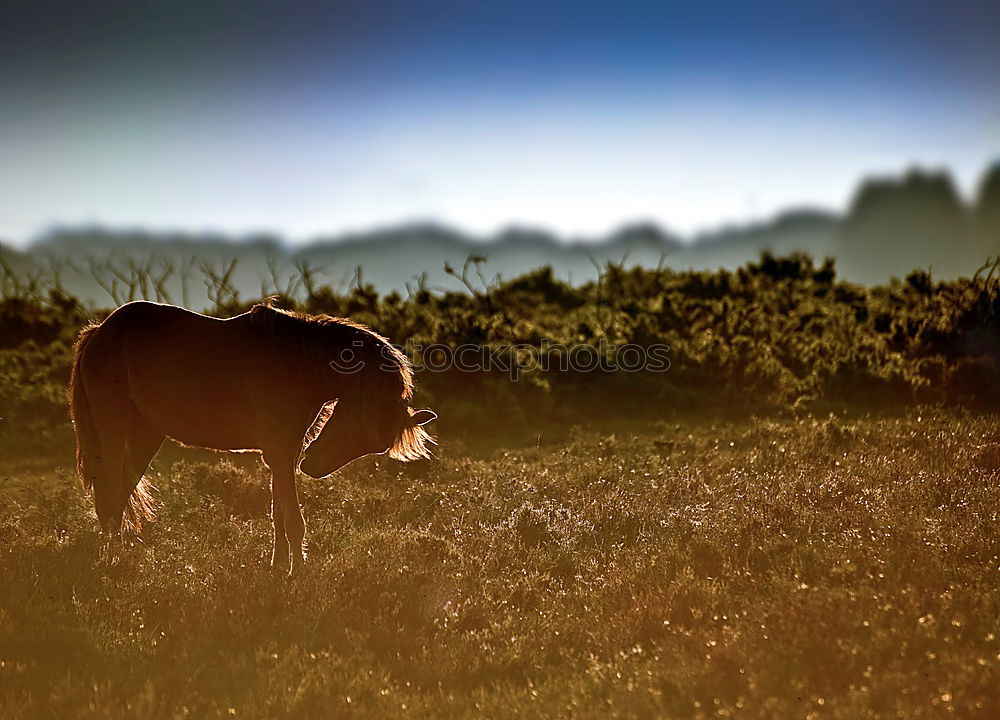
397,431
372,415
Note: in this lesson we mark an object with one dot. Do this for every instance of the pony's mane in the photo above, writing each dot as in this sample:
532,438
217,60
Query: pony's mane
315,335
298,329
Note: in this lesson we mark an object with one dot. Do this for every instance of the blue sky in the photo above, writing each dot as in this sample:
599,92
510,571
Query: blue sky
307,118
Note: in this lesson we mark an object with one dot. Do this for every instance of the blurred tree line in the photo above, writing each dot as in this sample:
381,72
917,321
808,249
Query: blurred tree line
921,220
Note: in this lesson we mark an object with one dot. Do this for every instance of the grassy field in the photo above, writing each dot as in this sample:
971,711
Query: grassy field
776,566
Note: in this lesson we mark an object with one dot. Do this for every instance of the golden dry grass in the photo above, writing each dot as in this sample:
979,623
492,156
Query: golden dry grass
844,567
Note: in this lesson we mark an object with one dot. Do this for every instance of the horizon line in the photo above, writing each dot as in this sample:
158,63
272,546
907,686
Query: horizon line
333,237
348,233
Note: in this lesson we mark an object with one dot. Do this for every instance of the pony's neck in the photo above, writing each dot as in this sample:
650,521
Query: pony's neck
331,383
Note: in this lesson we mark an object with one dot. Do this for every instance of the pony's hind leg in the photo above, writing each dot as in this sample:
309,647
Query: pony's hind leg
102,411
125,444
141,445
109,496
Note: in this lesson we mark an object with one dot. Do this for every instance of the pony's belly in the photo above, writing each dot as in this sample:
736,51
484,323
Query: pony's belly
202,426
194,407
213,441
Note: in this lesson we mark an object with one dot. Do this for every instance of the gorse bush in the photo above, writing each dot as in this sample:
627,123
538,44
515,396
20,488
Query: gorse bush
775,332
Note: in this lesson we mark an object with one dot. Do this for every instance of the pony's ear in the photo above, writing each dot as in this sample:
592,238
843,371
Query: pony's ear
422,417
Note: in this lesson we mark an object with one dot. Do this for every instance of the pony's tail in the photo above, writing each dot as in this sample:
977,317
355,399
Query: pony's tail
107,491
87,441
141,506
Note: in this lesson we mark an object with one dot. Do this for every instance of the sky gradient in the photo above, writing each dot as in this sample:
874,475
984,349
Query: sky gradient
577,117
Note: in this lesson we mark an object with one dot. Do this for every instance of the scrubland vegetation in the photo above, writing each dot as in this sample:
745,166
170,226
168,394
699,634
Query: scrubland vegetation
798,519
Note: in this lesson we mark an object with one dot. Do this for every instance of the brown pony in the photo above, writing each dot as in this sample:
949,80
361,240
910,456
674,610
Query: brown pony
266,380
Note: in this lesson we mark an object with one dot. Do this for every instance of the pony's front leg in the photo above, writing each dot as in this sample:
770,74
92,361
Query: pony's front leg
287,500
279,553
